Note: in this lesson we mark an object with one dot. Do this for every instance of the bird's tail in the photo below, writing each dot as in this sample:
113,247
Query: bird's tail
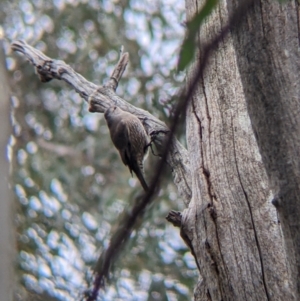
140,176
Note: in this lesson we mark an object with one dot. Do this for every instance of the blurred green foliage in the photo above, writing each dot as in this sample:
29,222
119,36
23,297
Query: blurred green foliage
188,47
69,182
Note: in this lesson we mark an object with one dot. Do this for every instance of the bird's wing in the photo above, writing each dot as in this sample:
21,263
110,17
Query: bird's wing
123,144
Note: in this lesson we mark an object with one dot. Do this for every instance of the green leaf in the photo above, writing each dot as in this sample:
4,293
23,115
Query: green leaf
188,47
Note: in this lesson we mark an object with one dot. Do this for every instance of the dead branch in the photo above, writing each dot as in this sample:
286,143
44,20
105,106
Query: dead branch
102,97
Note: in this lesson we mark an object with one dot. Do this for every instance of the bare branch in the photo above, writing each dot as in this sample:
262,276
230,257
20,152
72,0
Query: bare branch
102,97
48,69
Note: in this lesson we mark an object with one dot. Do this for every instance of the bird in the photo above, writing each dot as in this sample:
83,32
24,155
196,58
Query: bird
130,138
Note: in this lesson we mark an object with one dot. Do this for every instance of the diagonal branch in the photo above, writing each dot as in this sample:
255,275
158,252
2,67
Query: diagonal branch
99,99
102,97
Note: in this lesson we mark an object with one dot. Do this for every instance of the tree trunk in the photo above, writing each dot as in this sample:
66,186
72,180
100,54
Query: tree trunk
232,225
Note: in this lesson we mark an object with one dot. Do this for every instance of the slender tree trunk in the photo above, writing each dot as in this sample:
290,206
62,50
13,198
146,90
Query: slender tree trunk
6,201
232,225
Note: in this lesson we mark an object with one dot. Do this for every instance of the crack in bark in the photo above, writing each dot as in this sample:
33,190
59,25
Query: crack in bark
212,258
251,215
262,18
198,120
196,222
207,247
212,196
206,104
298,20
236,260
213,215
208,295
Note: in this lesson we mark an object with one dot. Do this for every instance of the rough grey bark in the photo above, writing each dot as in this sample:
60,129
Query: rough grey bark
231,223
6,201
268,58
